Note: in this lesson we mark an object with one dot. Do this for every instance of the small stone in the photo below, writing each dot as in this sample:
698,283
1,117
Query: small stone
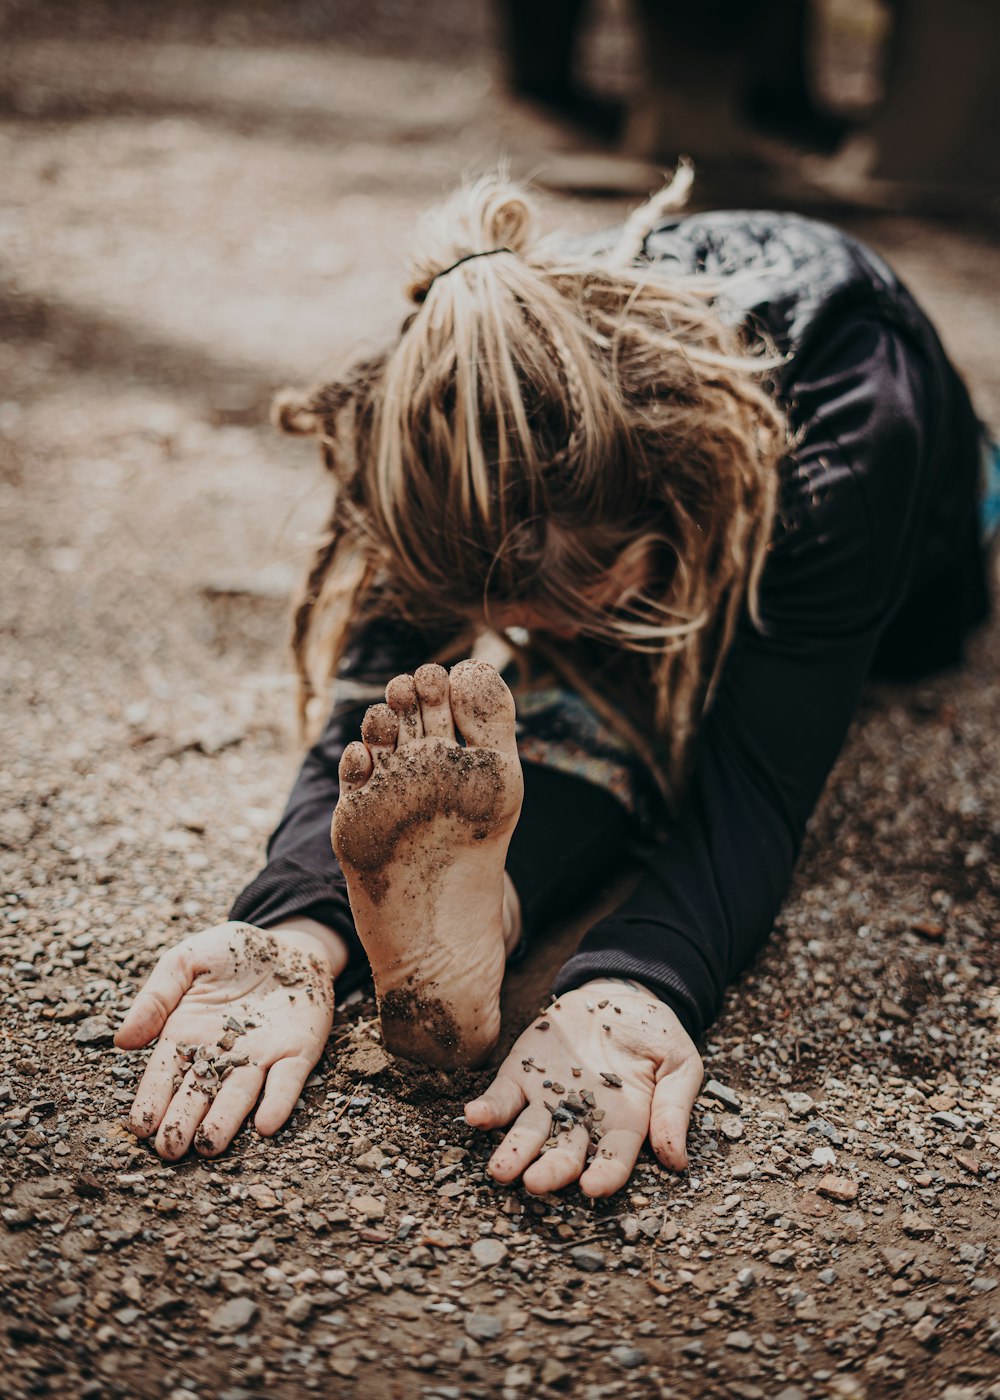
800,1105
299,1310
917,1226
968,1163
742,1171
731,1127
488,1253
897,1261
95,1030
630,1228
838,1188
234,1316
554,1373
949,1120
923,1330
371,1161
628,1357
368,1207
590,1260
739,1341
727,1097
483,1327
262,1196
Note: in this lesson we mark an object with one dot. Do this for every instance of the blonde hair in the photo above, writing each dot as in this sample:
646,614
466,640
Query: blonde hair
546,417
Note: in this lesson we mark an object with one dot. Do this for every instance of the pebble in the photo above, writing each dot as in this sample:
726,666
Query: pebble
917,1226
923,1330
585,1257
483,1327
800,1105
369,1207
234,1316
95,1030
299,1310
838,1188
739,1341
731,1127
488,1252
628,1357
949,1120
727,1097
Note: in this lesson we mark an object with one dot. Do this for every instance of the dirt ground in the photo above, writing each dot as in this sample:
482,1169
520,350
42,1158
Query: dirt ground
185,225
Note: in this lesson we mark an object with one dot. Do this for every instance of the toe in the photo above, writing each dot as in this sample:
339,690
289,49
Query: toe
482,705
355,767
380,730
401,697
435,703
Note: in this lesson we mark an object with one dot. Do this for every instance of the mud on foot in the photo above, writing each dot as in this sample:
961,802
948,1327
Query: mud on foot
421,832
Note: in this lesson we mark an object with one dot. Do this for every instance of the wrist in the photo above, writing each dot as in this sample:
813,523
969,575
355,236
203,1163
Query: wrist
312,936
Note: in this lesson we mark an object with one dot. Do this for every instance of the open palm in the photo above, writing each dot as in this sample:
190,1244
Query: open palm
237,1009
605,1067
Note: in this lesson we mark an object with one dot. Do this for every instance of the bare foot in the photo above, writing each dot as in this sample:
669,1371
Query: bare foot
421,832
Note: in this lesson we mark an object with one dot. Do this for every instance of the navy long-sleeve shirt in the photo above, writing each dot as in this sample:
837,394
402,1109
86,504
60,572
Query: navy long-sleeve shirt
874,563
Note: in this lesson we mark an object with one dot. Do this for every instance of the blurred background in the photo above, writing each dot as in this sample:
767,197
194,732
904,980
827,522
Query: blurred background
202,199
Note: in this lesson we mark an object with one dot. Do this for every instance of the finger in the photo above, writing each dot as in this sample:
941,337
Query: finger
503,1100
156,1089
355,766
380,730
435,701
612,1163
522,1144
559,1165
285,1082
673,1100
163,989
180,1122
233,1104
401,697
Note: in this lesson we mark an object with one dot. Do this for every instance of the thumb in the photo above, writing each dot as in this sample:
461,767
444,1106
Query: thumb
673,1100
166,984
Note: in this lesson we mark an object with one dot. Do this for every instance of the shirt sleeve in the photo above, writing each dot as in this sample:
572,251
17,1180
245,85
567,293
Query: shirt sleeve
302,876
838,566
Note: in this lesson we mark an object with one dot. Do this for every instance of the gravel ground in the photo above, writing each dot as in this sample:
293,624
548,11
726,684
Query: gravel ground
183,227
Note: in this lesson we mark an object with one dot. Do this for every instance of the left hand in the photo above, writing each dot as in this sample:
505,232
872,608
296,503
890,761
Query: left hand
636,1062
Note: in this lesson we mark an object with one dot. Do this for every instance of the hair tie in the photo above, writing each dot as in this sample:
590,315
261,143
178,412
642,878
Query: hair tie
488,253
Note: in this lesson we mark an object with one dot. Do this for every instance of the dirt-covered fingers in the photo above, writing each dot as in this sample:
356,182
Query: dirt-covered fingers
522,1144
502,1101
673,1100
559,1165
612,1163
180,1122
401,697
285,1082
156,1089
380,730
162,990
230,1108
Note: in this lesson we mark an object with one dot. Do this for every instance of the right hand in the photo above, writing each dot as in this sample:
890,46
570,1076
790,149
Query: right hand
236,1009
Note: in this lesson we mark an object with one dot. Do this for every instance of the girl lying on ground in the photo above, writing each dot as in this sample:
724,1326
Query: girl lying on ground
705,475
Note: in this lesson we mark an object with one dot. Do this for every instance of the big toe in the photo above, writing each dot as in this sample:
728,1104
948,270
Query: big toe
482,705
